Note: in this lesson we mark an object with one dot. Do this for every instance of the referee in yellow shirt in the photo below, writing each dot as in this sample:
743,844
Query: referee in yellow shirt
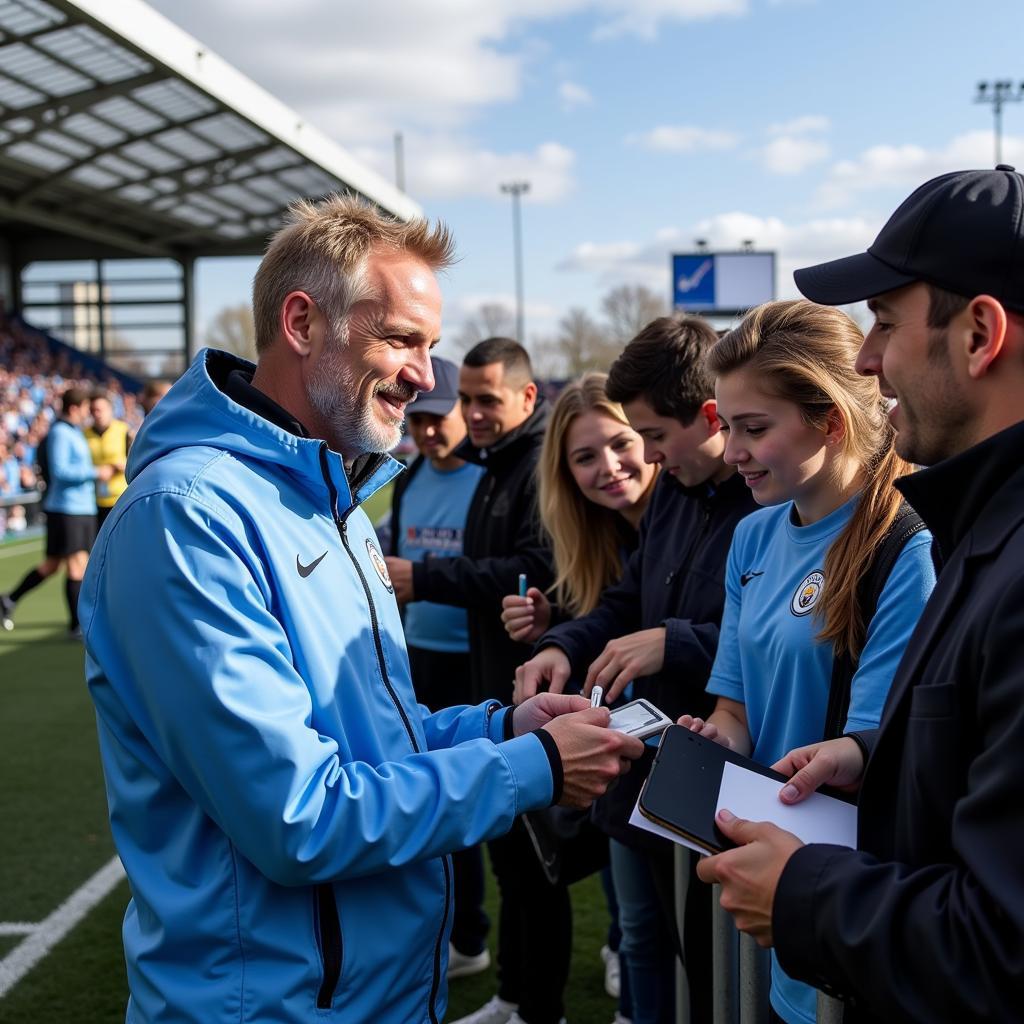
109,440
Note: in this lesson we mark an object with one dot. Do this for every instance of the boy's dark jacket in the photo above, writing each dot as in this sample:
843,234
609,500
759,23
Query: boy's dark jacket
503,538
676,579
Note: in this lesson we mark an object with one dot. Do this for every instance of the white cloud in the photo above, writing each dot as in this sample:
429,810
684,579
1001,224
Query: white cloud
790,154
803,125
445,167
796,244
573,95
361,71
644,17
906,166
683,138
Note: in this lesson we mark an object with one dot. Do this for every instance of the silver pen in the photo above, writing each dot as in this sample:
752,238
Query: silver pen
596,696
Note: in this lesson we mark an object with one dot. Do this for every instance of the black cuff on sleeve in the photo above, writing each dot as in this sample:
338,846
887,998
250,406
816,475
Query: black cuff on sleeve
507,730
862,743
555,759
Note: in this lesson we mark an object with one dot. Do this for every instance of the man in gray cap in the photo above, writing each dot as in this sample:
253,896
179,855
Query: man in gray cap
428,517
925,920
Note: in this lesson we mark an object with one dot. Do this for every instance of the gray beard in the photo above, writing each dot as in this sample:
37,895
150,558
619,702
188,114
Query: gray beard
332,391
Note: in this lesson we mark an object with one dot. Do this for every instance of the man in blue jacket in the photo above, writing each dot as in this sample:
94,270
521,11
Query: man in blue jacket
70,507
283,807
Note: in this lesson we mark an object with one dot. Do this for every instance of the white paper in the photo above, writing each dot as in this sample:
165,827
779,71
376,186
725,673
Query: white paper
818,819
637,819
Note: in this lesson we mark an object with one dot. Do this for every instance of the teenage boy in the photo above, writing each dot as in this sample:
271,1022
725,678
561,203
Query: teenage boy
924,921
658,628
428,517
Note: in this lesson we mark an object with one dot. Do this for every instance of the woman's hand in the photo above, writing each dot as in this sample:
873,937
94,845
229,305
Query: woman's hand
708,730
526,619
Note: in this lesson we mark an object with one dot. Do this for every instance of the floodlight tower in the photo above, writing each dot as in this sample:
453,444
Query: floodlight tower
996,93
516,189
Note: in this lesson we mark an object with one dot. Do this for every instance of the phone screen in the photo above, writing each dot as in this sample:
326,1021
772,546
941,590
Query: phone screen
634,718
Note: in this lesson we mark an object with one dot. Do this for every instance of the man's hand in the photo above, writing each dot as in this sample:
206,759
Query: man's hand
400,571
708,730
838,763
104,473
749,875
625,659
550,666
527,618
536,712
593,756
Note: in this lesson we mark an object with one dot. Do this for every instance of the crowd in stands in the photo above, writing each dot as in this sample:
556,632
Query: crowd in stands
33,377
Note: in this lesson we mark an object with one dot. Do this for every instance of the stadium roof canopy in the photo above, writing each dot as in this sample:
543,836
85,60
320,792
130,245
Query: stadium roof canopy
120,130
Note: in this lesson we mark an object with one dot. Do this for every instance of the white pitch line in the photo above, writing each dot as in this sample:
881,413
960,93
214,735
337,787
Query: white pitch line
17,928
50,931
19,548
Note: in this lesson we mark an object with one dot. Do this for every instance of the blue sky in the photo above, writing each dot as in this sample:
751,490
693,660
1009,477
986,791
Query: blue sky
641,124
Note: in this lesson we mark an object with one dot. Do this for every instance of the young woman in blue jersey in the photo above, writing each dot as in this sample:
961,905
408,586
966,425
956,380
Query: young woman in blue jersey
812,440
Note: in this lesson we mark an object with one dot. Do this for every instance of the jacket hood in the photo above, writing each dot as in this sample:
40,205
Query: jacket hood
511,445
197,412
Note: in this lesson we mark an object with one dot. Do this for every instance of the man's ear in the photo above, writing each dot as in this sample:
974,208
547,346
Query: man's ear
301,324
529,396
985,325
709,414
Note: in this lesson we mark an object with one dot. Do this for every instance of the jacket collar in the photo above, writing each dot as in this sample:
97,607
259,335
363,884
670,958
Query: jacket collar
511,447
955,494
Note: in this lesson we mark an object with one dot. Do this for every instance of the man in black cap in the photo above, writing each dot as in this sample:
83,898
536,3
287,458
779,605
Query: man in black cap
925,921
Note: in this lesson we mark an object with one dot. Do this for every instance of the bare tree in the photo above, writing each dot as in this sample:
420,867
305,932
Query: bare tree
492,319
628,309
583,343
233,330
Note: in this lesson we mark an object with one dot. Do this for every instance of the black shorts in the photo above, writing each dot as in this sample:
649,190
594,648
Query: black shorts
67,534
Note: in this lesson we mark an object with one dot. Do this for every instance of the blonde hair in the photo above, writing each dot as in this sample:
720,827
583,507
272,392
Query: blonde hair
805,354
322,250
586,538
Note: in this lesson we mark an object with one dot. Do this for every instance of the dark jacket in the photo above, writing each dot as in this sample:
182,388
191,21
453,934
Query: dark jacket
675,579
388,532
503,538
925,922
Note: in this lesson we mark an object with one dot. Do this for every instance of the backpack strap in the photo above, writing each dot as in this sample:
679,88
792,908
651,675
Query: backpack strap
869,591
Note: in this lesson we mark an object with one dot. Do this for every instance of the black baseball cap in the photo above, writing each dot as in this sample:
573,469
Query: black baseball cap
442,399
962,231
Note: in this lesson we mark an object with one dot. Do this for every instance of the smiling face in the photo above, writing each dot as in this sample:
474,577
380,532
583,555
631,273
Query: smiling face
436,437
691,453
779,455
606,460
492,404
360,385
915,368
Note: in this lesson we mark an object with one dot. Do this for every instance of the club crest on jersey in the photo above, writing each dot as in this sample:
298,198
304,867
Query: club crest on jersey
807,594
379,565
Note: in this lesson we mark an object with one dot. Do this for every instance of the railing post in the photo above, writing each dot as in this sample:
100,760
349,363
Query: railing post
830,1011
681,860
755,981
724,960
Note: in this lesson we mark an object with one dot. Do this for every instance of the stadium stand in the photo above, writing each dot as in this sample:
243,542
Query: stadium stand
35,371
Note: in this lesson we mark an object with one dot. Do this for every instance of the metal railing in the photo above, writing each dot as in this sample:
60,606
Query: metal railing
741,969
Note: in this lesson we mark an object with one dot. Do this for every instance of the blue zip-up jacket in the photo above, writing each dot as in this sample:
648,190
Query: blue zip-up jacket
281,804
71,483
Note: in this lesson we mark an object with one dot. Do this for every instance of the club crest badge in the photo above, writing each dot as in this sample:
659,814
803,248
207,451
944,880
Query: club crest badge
807,594
379,565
